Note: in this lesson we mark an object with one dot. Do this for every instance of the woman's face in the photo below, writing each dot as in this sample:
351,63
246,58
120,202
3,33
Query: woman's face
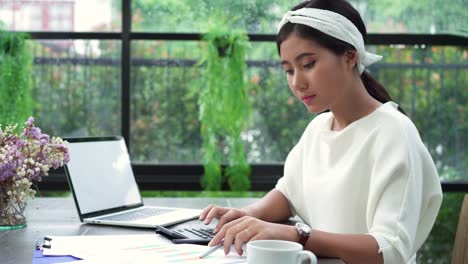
315,75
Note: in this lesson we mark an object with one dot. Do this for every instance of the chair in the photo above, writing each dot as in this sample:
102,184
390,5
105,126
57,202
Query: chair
460,247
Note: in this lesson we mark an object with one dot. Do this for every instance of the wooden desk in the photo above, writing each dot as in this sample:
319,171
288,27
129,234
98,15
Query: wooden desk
58,216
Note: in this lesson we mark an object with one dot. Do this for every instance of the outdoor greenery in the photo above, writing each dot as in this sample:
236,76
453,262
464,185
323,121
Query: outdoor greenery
76,95
262,16
434,16
434,93
224,108
15,78
428,82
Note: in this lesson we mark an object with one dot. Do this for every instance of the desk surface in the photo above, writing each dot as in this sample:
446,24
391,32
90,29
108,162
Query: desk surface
58,216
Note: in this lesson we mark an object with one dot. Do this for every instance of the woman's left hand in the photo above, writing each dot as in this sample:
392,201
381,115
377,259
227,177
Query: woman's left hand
247,228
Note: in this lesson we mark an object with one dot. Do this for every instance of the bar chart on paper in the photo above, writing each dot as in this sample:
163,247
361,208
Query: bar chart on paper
180,254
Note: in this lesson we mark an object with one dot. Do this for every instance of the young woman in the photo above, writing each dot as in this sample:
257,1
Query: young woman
360,177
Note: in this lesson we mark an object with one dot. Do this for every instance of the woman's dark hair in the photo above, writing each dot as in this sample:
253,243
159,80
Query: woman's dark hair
338,47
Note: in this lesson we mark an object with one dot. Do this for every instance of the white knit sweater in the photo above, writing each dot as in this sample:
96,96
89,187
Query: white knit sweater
373,177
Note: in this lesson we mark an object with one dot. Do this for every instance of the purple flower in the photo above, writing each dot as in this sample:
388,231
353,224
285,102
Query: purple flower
30,154
30,131
30,122
44,139
6,171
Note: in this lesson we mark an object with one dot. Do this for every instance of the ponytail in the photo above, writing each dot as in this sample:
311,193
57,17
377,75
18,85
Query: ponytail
376,90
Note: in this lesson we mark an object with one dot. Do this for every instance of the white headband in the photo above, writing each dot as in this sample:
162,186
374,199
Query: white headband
335,25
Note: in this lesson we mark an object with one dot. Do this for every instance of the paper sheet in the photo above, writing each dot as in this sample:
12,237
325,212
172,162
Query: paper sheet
141,249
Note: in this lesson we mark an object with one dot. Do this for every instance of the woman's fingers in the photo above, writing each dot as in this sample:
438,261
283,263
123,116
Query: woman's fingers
231,233
217,238
245,229
226,218
243,237
220,235
205,212
236,233
215,212
224,214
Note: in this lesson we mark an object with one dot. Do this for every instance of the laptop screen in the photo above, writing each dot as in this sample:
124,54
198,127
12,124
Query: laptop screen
101,175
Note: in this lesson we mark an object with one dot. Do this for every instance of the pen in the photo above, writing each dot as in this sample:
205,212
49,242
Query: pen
211,250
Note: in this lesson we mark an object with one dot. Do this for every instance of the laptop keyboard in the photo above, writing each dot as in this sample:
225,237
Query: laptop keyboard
136,215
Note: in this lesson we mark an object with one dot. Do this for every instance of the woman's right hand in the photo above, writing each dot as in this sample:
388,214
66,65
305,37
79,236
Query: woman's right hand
223,214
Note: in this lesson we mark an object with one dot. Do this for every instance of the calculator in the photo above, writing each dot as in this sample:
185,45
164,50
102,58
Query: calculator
187,235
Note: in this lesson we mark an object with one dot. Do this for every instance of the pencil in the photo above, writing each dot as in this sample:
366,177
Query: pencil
211,250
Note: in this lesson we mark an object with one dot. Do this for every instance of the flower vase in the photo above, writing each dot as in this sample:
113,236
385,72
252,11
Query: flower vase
24,159
12,208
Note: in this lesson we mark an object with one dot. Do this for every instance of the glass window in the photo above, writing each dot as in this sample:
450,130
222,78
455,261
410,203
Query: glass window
60,15
263,16
278,118
80,80
424,80
77,87
36,20
196,15
427,81
164,115
420,16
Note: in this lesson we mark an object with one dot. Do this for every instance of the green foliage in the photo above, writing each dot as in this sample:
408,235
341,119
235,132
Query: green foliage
183,16
416,16
438,246
433,92
165,126
84,99
224,107
262,16
15,78
76,99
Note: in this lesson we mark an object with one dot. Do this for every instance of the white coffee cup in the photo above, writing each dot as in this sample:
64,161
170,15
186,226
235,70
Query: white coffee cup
277,252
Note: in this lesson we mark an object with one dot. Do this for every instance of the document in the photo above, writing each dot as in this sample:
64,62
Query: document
141,249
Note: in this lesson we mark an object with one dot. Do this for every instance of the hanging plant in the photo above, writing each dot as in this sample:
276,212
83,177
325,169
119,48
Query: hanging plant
15,78
224,109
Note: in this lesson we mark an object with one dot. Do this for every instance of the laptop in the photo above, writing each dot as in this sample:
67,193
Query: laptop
105,190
